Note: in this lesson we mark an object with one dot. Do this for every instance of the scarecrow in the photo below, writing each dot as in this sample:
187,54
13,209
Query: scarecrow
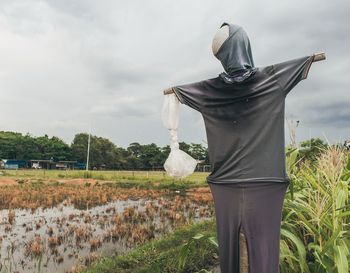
243,110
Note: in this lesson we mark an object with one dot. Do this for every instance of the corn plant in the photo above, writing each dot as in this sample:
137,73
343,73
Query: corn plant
315,234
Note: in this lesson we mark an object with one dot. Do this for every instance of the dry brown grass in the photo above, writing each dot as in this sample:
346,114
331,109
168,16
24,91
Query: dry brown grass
34,247
46,196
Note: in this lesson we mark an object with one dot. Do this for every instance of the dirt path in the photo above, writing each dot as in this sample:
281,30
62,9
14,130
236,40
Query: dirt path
4,181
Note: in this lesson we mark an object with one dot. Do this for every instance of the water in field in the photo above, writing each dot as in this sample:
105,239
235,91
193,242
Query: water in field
61,238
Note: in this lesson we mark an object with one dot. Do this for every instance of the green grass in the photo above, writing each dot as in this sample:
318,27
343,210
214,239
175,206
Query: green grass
126,179
163,255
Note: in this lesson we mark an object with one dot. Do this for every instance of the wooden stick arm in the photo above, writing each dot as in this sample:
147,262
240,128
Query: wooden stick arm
168,91
319,56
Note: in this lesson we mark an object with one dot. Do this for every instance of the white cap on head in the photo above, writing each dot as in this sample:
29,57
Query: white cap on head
220,36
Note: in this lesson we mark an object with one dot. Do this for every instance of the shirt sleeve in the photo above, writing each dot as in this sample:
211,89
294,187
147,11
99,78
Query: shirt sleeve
191,94
291,72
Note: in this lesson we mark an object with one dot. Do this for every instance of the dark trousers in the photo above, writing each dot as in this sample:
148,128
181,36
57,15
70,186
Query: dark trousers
254,208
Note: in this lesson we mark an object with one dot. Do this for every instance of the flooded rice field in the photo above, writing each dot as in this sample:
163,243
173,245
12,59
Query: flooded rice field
69,235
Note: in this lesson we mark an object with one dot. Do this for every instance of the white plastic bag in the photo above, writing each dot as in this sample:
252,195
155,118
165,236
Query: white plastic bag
178,164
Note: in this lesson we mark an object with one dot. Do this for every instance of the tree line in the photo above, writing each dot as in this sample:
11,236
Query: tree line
103,152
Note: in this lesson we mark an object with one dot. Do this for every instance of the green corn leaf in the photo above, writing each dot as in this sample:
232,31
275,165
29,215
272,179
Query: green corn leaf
300,248
346,176
198,236
348,164
331,241
313,246
214,241
341,259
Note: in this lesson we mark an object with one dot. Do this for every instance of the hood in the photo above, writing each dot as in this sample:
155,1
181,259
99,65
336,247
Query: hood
235,53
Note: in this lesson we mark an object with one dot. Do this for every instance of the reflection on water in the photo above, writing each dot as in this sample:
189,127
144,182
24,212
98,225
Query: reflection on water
61,238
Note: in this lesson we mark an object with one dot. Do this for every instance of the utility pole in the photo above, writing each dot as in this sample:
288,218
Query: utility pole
88,151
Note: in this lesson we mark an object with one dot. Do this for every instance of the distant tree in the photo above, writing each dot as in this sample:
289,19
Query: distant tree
103,152
185,147
151,156
134,156
164,154
197,151
79,147
310,149
123,161
135,149
52,148
16,146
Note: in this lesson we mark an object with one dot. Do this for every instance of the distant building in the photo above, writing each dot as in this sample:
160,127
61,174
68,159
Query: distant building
13,164
66,165
47,164
79,166
53,165
202,167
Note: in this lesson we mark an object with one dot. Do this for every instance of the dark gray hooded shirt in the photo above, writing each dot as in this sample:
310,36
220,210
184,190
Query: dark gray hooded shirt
244,119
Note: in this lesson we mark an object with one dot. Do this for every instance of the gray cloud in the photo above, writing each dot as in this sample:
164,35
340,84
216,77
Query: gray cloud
335,114
66,65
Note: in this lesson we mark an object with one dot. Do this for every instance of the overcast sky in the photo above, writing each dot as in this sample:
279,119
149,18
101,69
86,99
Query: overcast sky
66,63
